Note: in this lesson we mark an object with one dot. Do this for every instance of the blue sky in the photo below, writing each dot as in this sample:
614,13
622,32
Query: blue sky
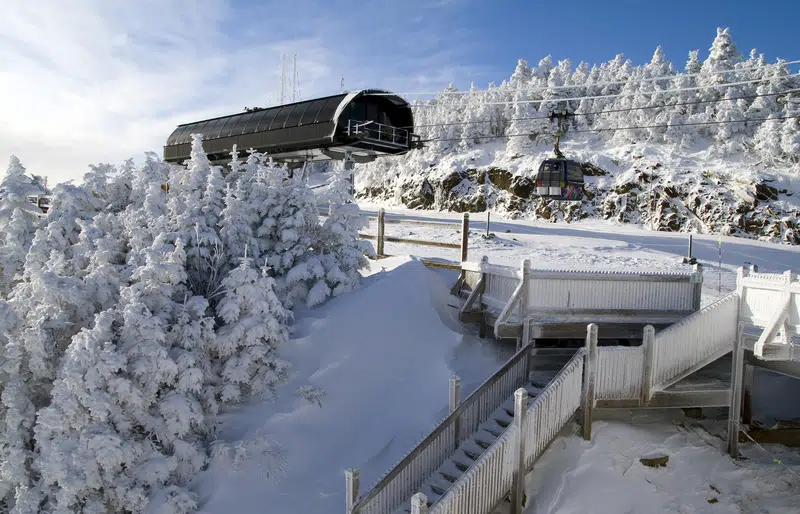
103,80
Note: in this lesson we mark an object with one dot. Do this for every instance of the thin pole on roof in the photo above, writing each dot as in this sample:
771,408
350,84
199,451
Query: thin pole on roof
283,77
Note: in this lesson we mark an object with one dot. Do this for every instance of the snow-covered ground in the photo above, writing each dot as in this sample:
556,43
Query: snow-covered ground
604,476
383,355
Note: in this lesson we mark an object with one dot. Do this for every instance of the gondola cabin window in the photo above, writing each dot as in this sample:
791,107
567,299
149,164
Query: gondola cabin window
560,179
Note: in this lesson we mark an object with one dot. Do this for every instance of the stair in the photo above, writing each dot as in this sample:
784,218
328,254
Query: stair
545,365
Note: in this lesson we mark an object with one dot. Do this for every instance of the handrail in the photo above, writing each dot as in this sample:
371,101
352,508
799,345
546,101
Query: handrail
443,425
533,446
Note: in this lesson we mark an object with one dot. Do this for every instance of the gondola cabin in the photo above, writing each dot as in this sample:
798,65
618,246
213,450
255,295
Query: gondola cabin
355,127
560,179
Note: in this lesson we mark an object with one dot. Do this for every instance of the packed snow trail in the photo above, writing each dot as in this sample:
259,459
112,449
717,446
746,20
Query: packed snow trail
383,357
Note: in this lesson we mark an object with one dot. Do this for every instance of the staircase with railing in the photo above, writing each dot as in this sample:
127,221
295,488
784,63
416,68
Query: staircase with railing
477,457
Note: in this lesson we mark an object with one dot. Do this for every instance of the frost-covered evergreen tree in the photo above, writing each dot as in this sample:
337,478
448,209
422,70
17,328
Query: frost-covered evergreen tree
254,326
343,252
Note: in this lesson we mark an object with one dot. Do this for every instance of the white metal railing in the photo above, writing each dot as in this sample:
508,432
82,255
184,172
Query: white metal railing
408,475
381,133
481,488
695,341
620,372
771,302
547,294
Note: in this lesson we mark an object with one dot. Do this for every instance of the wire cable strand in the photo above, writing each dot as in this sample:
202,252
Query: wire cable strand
619,95
601,84
608,129
611,111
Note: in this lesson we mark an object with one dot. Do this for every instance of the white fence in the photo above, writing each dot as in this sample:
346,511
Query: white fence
559,294
490,478
694,342
620,372
772,302
396,486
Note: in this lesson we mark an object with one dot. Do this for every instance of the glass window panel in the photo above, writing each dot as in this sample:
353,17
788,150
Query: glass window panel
241,123
281,117
254,121
225,130
268,117
176,135
329,109
212,129
194,128
310,115
294,117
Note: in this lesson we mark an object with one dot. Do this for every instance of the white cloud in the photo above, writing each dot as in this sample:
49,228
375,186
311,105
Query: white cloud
85,81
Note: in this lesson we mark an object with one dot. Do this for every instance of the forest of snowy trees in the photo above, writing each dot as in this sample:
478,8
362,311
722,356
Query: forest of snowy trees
504,131
147,299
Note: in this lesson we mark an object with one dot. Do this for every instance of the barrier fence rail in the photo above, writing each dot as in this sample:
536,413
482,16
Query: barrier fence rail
394,488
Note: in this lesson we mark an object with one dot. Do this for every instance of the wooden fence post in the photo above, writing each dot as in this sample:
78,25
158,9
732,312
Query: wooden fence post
352,480
589,374
464,237
419,504
735,409
455,401
381,214
648,345
455,393
485,278
697,279
518,487
747,393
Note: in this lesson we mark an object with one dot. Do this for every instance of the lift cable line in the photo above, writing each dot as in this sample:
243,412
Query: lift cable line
612,83
621,95
612,111
608,129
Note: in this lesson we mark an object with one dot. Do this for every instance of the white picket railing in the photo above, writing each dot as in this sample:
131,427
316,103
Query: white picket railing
553,294
763,293
620,371
408,475
553,408
490,478
704,336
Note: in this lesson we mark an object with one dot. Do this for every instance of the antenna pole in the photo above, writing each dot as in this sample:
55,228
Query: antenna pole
283,77
294,78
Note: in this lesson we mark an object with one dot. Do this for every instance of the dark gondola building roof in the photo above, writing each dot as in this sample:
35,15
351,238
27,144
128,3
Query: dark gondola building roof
307,130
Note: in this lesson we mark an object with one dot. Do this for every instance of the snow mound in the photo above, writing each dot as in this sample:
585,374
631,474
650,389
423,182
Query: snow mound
383,358
606,473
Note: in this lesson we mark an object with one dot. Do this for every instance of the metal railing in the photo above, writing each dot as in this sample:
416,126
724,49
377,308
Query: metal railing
488,481
381,133
608,297
405,478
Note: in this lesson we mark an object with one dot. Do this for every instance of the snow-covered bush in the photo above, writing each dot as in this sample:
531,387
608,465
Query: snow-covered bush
18,221
148,298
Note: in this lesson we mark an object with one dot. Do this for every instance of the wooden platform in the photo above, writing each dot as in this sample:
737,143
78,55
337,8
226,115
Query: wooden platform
573,326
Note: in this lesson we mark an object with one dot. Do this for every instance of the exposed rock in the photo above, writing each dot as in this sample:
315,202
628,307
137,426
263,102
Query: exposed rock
500,178
522,186
451,181
765,192
421,197
592,170
710,201
655,461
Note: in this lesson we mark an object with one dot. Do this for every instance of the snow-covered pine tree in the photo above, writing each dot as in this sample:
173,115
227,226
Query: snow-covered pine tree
119,403
341,251
253,326
17,238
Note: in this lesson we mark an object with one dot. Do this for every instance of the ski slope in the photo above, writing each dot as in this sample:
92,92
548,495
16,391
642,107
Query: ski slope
383,355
